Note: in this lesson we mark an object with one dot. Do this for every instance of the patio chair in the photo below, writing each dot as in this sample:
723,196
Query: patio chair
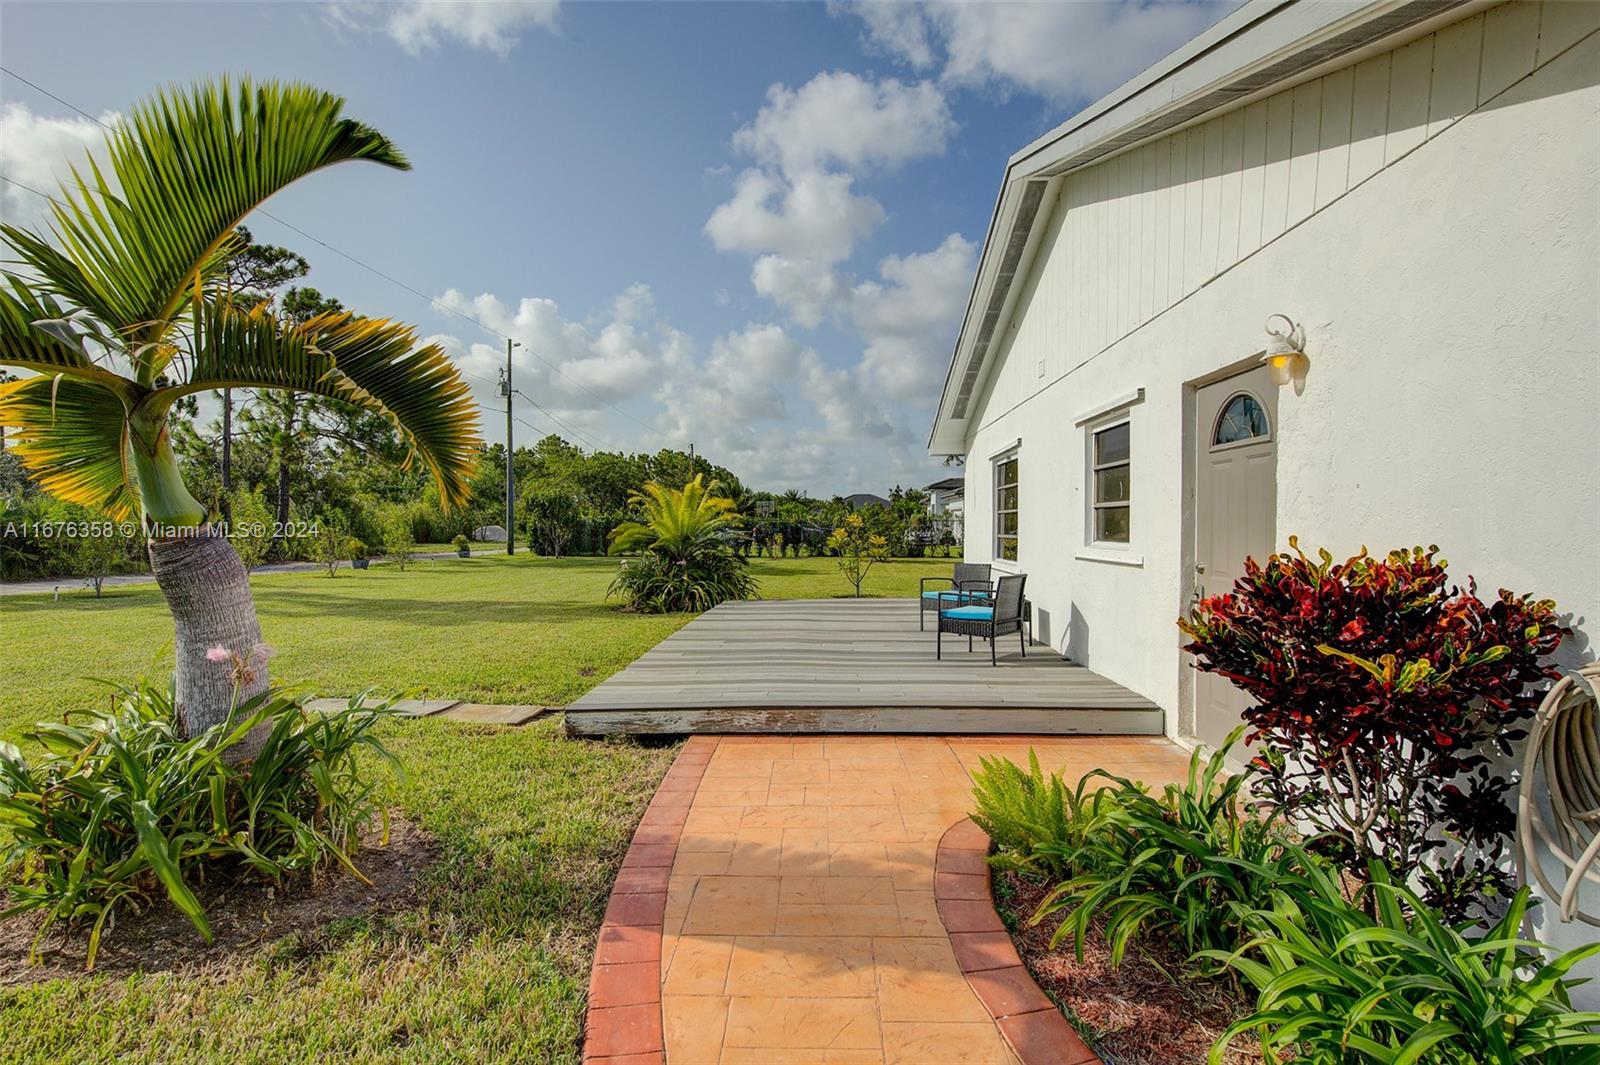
969,584
1003,615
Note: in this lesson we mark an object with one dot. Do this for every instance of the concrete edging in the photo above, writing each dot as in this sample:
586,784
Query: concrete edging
624,1024
1032,1025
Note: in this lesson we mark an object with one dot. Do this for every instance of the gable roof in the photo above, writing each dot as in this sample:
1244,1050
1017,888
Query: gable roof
1259,48
865,499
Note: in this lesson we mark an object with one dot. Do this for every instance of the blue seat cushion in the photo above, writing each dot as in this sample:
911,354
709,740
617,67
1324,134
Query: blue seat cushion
970,613
949,596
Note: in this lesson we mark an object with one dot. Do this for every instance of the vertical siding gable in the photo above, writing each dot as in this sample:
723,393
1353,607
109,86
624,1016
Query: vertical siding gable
1137,233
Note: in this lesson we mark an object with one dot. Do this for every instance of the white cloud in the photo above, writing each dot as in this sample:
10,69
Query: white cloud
838,119
809,290
39,152
797,209
419,25
580,371
1062,51
909,318
813,216
771,409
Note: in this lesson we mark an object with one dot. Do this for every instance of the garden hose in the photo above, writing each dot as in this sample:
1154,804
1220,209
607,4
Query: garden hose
1565,742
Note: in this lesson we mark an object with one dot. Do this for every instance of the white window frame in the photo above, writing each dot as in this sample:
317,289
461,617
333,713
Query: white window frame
1090,468
1012,454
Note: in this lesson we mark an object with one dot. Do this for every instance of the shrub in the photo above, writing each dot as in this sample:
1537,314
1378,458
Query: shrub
1033,818
1335,984
122,808
1169,864
1379,689
250,526
399,543
858,548
659,584
460,542
552,514
685,561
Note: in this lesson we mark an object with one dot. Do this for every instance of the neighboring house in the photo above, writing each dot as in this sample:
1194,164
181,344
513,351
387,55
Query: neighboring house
1415,183
865,499
946,499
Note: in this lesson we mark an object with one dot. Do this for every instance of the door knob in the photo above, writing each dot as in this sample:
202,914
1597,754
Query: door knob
1199,567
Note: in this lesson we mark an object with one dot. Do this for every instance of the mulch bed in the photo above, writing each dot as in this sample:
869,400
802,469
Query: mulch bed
1149,1011
242,917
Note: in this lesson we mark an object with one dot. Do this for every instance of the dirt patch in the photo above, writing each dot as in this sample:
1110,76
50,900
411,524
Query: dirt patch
1148,1011
242,918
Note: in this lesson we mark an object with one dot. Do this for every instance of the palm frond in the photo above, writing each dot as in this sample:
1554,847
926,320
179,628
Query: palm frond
188,165
73,436
24,344
371,362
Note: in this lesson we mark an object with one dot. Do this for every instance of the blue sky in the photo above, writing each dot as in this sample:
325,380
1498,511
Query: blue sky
747,225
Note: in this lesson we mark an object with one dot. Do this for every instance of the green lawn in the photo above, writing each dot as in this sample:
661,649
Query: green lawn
492,963
502,629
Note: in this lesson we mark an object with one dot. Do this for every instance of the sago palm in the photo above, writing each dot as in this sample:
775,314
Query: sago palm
678,523
120,312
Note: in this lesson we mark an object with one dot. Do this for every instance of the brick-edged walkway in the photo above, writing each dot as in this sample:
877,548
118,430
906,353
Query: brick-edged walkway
803,918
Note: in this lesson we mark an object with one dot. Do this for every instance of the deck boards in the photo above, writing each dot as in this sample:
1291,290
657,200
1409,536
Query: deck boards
849,666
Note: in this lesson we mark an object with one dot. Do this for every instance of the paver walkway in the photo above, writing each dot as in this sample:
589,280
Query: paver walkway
800,918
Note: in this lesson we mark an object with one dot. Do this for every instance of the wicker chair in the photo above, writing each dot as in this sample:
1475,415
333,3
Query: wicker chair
1003,616
969,584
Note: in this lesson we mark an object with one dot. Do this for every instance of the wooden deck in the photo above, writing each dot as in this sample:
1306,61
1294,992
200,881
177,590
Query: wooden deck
849,665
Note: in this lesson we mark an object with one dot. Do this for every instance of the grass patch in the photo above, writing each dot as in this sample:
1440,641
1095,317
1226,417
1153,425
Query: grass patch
492,963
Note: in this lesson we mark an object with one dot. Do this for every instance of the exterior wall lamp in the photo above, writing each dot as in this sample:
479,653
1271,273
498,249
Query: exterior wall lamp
1285,357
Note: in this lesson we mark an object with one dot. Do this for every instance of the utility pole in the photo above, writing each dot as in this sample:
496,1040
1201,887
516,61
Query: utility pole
511,475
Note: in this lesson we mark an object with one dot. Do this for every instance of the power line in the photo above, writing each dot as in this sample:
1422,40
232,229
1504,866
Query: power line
29,188
432,301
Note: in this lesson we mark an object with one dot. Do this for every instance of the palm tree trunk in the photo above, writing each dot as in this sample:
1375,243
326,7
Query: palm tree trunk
208,591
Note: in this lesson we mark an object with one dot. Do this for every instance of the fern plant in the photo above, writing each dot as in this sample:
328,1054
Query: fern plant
1167,864
1034,819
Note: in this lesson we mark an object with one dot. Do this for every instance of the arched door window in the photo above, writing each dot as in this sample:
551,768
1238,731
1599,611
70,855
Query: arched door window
1243,419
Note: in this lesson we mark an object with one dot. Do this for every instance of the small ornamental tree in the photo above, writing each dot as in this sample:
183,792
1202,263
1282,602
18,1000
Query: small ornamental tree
399,543
859,549
1380,691
331,545
251,529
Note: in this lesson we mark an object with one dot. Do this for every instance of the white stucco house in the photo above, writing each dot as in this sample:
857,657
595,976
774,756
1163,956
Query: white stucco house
1417,186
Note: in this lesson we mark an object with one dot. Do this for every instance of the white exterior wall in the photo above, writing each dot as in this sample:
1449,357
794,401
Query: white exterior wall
1431,216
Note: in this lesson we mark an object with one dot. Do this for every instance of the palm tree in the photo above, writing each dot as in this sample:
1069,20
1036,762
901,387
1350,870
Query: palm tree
679,523
125,312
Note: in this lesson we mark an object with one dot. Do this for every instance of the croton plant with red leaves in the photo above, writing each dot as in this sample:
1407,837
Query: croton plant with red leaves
1381,692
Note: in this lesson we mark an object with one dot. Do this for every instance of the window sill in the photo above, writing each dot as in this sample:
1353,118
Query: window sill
1110,557
1005,565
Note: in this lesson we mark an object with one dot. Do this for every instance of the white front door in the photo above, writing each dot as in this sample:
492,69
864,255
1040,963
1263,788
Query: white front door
1236,495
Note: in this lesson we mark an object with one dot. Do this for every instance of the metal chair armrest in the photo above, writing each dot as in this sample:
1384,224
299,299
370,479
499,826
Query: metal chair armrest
924,585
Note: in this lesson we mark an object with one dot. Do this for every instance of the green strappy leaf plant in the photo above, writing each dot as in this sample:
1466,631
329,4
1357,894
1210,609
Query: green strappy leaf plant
1168,864
122,809
1336,985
